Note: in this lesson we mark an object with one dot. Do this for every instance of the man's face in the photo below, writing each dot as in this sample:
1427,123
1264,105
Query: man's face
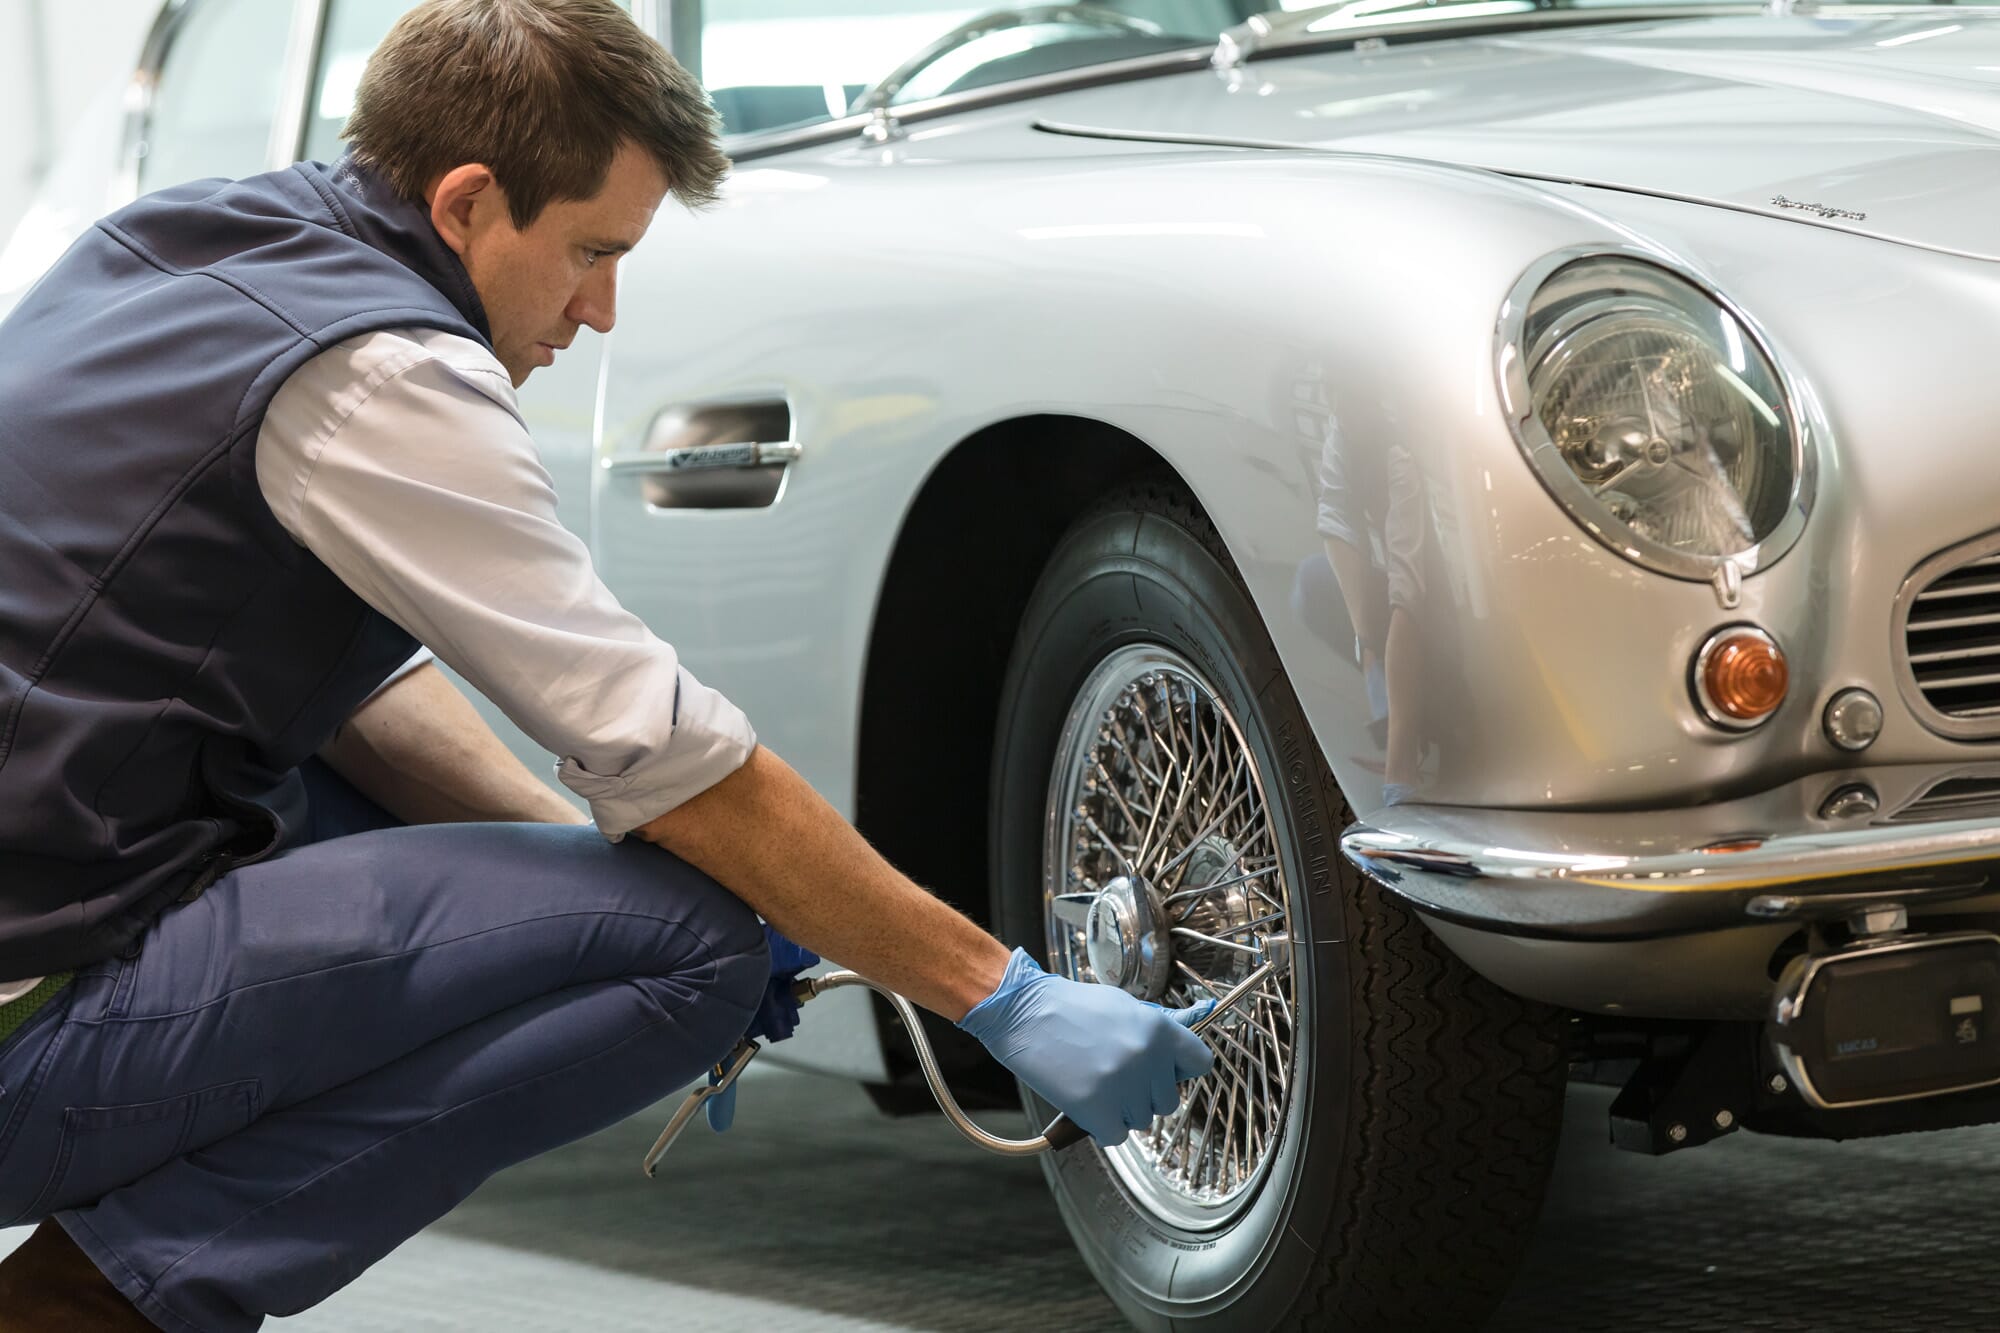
541,284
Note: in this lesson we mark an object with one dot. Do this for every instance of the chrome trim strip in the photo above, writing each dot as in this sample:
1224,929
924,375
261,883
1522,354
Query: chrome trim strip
1959,682
1511,369
881,95
1976,724
1939,656
1620,875
1982,780
1953,622
744,147
1985,589
1276,35
702,457
1839,10
288,127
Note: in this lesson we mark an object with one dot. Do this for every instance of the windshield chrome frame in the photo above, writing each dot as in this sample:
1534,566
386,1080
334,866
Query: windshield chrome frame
1201,53
741,147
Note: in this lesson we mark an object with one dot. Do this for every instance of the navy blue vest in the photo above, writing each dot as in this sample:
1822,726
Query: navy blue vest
168,655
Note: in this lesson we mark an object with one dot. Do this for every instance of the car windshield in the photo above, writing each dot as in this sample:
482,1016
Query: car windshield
780,64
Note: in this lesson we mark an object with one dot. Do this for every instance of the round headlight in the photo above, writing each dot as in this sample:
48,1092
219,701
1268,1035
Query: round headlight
1653,413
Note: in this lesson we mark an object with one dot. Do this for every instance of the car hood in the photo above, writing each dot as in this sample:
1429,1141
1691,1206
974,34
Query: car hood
1884,126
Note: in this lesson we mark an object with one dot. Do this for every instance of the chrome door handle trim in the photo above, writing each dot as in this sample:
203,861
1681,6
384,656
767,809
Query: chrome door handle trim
702,456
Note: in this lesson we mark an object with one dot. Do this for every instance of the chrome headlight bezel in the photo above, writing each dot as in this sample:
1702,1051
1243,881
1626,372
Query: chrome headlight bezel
1568,490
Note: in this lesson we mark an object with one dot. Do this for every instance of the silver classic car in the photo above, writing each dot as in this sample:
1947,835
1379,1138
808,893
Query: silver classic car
1482,498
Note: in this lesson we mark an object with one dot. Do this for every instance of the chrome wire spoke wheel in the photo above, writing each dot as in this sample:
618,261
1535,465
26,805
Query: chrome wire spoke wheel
1162,876
1160,808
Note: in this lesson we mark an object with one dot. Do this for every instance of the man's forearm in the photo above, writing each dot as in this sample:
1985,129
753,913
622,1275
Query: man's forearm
422,752
765,834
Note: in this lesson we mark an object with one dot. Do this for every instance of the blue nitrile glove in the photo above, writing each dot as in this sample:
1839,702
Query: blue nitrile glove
777,1015
1108,1060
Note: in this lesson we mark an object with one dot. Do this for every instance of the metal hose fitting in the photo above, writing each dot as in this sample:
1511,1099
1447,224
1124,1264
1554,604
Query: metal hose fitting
1062,1131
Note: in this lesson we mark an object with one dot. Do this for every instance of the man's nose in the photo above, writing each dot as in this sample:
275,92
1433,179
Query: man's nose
596,302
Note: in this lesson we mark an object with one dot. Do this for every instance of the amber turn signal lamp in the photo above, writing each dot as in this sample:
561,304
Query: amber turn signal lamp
1740,677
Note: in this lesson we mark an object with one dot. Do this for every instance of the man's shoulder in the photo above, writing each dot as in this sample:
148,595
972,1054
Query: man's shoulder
394,350
370,360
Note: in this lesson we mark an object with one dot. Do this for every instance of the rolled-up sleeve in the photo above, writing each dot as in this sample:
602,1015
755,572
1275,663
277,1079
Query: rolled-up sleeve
402,463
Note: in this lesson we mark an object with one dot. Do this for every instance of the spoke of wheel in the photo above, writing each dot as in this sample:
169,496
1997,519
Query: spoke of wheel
1237,1085
1161,781
1185,1126
1131,752
1263,1077
1217,1149
1188,770
1195,843
1277,1069
1200,890
1207,1139
1114,848
1116,795
1278,914
1212,756
1249,926
1191,848
1230,1173
1265,896
1199,979
1172,754
1219,943
1260,1019
1159,795
1228,1038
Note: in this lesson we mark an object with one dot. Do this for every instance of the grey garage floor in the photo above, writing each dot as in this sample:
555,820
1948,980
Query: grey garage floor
816,1216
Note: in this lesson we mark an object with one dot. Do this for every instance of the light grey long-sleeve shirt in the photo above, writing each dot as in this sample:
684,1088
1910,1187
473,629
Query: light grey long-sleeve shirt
400,460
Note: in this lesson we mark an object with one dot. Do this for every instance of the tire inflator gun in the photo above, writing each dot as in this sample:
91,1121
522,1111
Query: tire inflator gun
1274,954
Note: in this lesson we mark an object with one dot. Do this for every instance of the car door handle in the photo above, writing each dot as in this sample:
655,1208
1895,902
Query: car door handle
731,455
743,455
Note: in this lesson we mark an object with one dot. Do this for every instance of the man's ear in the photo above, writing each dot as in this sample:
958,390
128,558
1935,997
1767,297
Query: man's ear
464,202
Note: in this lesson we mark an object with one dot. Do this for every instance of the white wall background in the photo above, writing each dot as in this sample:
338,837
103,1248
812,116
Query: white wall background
55,57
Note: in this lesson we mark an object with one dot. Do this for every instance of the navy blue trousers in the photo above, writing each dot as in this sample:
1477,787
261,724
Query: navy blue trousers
329,1049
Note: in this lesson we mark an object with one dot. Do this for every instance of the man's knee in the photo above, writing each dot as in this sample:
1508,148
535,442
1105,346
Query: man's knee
743,971
742,957
653,918
712,1004
712,955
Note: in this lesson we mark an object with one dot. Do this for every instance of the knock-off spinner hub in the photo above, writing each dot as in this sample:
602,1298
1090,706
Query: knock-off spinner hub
1126,937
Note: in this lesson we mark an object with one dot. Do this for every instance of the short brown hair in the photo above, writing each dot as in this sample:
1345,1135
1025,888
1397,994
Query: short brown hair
541,91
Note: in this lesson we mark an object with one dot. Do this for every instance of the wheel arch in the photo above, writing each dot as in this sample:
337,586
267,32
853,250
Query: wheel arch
971,546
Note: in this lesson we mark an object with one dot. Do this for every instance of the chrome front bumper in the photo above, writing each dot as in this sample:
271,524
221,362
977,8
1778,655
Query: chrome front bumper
1924,837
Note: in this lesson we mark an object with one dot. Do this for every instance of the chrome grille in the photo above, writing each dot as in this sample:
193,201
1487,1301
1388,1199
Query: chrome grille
1964,797
1952,642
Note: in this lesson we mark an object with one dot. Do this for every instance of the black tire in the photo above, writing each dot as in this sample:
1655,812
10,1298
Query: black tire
1427,1102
